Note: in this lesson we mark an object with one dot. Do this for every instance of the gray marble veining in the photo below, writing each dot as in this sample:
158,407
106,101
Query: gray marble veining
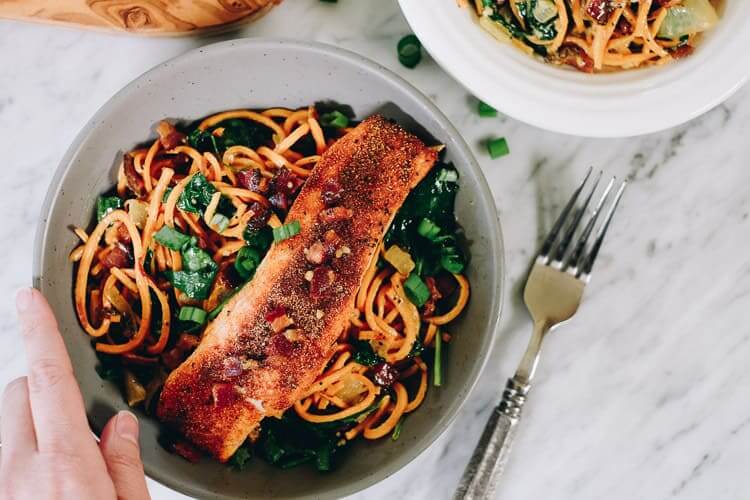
642,396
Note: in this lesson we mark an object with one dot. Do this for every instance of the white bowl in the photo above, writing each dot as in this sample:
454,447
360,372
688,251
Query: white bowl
618,104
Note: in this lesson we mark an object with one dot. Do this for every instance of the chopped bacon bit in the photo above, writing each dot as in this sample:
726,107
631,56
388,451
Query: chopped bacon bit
187,451
446,284
335,214
117,256
331,193
133,180
232,367
623,27
384,374
681,51
224,394
286,182
575,56
279,201
322,280
431,305
600,10
169,136
123,236
172,358
187,342
175,162
274,313
252,180
259,218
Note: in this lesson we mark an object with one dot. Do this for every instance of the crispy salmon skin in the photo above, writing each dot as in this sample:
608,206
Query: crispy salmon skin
273,338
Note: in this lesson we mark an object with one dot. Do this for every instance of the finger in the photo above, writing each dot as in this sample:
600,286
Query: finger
56,402
119,445
16,424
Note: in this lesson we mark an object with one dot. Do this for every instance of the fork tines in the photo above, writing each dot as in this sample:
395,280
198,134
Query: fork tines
578,259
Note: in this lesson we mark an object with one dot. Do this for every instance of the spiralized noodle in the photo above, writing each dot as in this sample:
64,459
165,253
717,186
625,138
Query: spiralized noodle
590,35
128,307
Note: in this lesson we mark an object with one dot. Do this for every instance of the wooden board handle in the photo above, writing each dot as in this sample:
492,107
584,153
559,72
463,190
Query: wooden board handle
150,17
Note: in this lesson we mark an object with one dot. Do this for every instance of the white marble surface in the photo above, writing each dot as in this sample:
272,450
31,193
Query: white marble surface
644,395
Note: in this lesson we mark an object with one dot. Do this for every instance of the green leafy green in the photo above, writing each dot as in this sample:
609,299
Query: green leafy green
426,224
241,457
105,205
197,259
197,194
237,132
364,355
258,238
194,284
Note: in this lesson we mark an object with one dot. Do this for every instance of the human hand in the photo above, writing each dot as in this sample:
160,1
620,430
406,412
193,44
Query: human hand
48,451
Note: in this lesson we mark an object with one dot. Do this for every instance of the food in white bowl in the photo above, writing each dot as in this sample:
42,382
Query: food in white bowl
605,104
599,35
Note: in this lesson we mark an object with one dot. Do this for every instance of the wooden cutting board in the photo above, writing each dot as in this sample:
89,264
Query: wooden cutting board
143,17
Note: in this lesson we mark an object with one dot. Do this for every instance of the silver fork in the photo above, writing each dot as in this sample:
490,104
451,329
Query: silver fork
553,293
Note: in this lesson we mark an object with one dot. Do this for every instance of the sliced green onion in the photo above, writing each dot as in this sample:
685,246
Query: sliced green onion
497,147
409,51
171,238
437,370
219,222
397,429
105,205
428,229
485,110
194,314
247,261
447,175
335,119
286,231
416,290
452,261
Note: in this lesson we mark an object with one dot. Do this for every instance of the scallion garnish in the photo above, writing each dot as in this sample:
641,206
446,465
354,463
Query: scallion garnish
247,261
437,369
286,231
219,222
171,238
497,147
335,119
485,110
416,290
194,314
409,51
447,175
428,229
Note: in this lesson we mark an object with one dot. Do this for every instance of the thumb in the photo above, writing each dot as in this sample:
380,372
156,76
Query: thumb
119,446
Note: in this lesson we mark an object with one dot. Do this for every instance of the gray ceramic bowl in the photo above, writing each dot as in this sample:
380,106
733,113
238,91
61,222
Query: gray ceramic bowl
220,77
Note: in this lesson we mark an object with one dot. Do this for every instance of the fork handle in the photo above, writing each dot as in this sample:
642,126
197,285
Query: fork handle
492,451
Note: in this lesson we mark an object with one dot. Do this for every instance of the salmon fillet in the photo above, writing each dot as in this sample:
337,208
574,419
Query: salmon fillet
273,338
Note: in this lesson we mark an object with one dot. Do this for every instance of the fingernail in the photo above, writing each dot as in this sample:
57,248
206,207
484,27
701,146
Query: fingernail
126,426
23,299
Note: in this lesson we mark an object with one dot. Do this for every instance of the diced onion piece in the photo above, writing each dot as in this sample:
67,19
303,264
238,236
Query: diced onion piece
693,16
399,259
138,212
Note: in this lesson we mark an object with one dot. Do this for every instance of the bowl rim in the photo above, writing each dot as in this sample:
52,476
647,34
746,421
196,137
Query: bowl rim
605,105
494,231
